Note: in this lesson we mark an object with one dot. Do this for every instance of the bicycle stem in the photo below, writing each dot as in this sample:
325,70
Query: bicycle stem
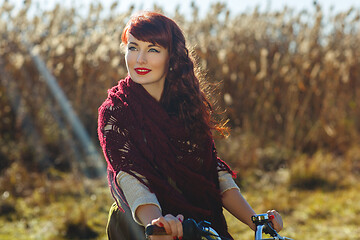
258,233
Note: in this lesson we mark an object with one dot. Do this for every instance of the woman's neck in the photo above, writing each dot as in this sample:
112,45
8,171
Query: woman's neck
155,90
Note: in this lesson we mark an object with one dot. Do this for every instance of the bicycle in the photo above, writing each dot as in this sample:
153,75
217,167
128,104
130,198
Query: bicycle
203,230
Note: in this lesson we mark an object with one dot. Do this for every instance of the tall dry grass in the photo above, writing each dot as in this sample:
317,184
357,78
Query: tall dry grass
289,80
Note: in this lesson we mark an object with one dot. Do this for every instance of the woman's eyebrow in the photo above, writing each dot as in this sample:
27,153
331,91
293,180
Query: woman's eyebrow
150,45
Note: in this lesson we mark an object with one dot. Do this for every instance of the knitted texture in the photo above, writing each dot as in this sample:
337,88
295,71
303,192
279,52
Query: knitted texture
139,137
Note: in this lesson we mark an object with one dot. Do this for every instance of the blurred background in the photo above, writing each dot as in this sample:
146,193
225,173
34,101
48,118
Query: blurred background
289,79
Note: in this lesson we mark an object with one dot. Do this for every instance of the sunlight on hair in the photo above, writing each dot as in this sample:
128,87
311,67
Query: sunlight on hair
92,155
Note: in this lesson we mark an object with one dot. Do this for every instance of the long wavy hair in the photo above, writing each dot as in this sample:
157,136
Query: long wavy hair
182,93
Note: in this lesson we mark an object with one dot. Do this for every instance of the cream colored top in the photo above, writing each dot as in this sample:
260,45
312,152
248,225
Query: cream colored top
138,194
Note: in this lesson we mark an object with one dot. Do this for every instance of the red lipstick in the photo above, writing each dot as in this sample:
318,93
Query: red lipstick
142,71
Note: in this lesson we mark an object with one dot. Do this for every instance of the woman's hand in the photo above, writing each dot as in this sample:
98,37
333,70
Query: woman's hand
275,219
172,226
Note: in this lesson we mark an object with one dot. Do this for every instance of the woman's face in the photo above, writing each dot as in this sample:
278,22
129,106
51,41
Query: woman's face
147,64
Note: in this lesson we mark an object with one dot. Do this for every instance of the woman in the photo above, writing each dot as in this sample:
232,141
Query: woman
155,132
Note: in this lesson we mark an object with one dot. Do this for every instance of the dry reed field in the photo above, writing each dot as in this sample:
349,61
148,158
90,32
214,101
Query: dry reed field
289,81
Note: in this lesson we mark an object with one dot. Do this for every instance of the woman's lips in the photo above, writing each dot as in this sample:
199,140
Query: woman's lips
142,71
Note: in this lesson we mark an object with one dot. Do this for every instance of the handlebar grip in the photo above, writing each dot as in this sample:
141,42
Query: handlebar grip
154,230
191,230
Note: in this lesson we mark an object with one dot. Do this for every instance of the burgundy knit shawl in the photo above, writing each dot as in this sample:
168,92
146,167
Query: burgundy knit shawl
139,137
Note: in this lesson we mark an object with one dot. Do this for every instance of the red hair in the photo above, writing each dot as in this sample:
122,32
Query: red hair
182,95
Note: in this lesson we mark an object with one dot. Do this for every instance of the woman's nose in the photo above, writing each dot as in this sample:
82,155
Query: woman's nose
141,57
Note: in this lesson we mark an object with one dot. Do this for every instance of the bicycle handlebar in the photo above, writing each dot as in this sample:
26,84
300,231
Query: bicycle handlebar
203,231
263,224
191,230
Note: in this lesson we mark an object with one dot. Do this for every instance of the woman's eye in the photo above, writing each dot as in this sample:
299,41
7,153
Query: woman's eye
153,50
131,48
